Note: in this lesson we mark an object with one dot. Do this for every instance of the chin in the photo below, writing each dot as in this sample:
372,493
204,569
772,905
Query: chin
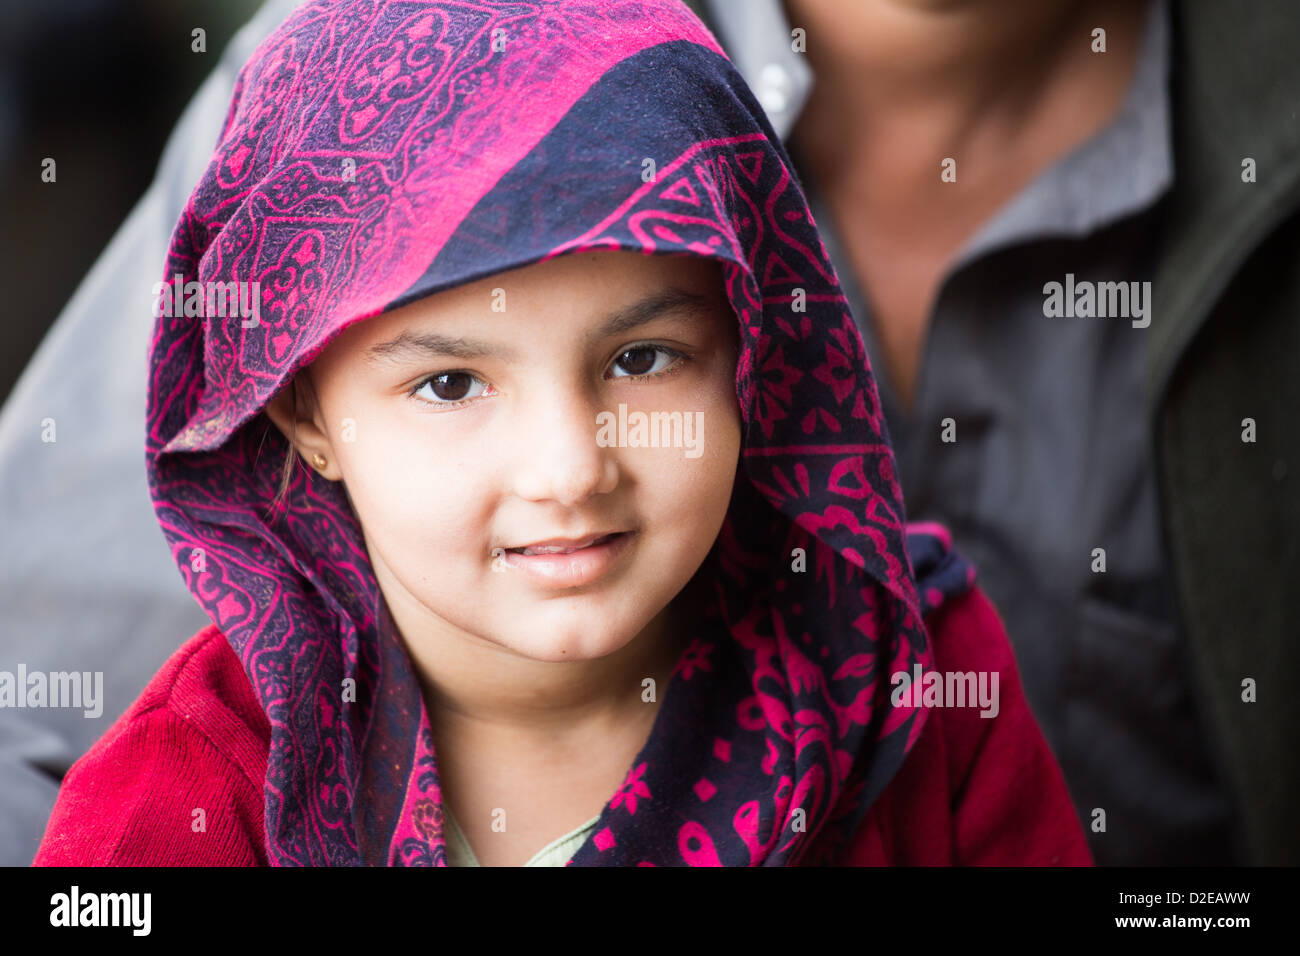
559,637
555,649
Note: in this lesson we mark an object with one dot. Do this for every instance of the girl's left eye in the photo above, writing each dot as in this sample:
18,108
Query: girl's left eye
641,362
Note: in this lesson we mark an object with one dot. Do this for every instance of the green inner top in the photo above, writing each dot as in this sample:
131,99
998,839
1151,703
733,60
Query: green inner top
555,853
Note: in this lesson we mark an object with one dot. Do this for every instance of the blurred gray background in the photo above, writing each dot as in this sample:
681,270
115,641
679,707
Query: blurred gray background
97,85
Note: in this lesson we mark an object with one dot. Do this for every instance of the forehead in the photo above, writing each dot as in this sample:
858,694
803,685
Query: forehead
589,287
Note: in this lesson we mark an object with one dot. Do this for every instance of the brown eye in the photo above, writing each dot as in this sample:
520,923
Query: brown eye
637,361
643,360
446,388
451,386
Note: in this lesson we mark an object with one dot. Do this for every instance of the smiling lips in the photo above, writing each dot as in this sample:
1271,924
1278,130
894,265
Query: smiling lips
569,563
563,545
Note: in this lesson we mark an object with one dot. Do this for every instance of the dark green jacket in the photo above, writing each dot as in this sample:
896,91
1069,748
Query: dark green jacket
1226,347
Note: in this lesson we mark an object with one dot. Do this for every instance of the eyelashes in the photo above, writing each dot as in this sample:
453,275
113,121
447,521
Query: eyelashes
426,391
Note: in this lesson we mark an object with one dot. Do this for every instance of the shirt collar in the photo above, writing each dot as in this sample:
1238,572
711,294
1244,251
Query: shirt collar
1121,170
1124,168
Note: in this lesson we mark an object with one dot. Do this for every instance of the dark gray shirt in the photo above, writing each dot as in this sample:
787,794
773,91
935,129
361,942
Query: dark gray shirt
1051,458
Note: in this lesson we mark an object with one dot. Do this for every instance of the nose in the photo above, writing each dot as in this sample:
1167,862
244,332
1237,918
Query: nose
557,457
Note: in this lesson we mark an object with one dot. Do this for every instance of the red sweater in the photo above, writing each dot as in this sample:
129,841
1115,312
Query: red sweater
973,791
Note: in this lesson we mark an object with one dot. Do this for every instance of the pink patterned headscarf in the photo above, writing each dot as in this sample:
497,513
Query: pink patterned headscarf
377,152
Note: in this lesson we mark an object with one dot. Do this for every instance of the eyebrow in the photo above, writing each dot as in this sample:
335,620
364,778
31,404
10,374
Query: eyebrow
409,346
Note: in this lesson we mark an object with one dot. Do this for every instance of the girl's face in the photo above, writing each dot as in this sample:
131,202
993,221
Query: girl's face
516,411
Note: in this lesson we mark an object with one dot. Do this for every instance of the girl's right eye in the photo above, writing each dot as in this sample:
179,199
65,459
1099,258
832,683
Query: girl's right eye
447,389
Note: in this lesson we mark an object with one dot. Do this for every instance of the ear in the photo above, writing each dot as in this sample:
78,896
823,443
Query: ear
296,413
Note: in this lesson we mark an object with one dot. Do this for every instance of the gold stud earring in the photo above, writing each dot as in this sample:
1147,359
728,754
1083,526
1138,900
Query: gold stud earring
318,460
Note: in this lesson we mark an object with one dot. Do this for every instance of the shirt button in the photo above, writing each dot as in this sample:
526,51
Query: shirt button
774,88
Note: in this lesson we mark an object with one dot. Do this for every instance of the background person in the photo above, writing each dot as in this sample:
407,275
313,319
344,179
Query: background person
1173,157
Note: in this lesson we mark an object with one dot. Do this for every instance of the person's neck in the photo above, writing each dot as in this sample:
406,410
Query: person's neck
944,73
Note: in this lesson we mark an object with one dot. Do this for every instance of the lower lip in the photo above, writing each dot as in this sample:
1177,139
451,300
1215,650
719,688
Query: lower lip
574,569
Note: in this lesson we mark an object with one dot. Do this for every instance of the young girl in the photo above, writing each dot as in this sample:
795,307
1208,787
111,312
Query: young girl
600,558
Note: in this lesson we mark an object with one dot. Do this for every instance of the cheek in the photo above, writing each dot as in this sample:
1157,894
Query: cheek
718,465
421,508
690,488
